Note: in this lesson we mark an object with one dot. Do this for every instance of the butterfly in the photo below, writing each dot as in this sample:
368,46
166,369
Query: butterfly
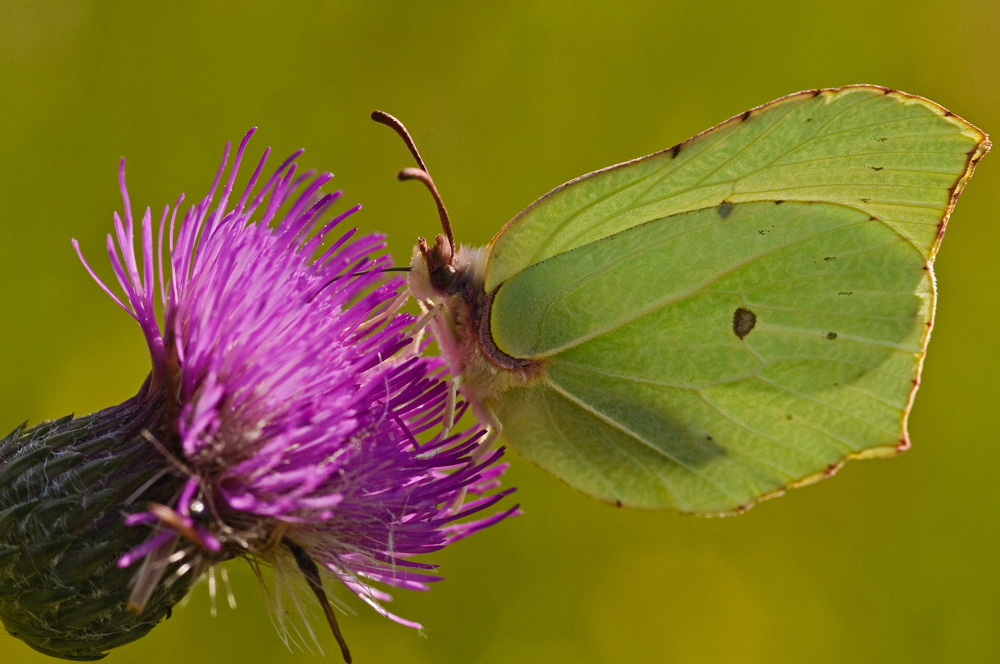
707,326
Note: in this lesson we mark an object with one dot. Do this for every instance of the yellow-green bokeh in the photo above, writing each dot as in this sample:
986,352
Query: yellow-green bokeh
891,561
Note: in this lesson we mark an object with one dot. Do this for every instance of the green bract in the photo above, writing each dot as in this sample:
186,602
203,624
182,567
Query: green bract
706,326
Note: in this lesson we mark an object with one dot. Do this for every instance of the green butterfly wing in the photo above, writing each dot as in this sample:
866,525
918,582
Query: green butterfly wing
739,314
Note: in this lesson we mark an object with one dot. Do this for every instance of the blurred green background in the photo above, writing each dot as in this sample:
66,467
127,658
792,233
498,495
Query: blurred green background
892,560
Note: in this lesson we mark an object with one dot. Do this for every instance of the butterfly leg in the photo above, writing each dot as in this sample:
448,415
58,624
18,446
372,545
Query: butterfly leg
494,428
484,415
394,307
492,425
428,314
448,419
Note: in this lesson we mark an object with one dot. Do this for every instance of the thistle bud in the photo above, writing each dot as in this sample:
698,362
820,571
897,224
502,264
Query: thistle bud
64,488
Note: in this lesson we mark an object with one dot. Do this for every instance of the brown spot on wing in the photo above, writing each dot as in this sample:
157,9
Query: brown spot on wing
744,320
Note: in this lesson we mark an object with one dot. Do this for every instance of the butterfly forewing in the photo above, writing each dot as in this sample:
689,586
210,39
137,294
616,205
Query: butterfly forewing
900,158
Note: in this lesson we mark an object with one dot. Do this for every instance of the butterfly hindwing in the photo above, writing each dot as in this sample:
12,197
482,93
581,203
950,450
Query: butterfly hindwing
737,315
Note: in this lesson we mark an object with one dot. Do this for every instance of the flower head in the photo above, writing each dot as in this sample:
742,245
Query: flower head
290,420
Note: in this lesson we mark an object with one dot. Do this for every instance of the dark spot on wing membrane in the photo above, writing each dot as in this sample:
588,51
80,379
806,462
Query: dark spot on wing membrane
831,335
744,320
725,209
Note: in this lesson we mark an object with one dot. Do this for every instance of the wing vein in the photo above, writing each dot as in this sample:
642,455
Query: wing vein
824,405
755,432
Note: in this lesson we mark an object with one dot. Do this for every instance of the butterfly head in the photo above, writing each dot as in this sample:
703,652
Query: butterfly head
439,263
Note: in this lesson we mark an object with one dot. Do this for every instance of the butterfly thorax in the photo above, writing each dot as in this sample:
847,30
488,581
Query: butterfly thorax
462,328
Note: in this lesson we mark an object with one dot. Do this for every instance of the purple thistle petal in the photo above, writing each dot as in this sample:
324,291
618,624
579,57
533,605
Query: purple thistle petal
302,417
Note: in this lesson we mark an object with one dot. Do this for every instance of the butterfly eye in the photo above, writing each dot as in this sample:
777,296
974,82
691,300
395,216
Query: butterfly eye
443,278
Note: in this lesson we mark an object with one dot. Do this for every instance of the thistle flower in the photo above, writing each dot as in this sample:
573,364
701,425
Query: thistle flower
287,419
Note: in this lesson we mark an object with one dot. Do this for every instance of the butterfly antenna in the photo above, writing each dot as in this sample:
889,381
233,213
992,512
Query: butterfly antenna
311,572
420,174
397,126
